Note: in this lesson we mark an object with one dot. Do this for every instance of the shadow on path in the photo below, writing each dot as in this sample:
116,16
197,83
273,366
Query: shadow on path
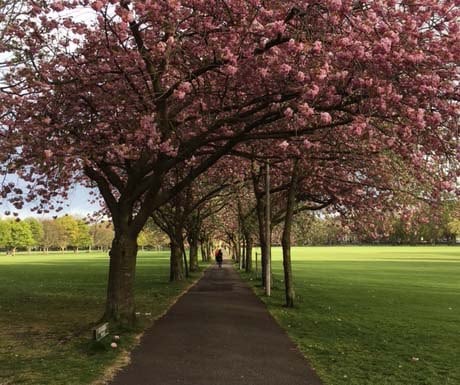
219,333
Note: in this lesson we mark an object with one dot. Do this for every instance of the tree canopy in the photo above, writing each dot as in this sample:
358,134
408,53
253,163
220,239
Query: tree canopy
364,92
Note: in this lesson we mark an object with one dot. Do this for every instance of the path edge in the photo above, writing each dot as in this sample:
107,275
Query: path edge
124,358
293,341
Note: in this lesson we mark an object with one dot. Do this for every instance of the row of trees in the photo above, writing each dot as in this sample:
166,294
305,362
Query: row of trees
60,233
353,105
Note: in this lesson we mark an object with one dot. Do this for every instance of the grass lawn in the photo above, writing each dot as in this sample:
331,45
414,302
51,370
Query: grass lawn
375,315
47,305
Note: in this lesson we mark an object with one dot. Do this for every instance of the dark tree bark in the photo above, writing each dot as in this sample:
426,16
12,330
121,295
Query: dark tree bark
286,238
120,289
260,208
176,260
203,250
193,242
248,252
243,254
193,235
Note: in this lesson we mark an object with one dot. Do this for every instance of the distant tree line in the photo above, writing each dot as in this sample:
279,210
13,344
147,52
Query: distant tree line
62,233
426,227
68,233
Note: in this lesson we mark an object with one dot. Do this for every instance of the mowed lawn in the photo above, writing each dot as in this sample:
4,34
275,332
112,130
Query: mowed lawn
47,305
375,315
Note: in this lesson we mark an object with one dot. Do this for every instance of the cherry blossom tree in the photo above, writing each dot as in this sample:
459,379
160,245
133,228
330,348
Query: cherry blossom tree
152,87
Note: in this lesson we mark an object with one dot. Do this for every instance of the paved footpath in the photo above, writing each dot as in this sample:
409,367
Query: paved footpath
219,333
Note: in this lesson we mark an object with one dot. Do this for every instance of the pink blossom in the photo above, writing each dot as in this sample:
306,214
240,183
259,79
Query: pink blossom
288,112
278,27
186,87
256,26
313,91
284,145
446,185
322,74
306,110
230,70
285,69
263,72
161,46
58,6
326,118
317,46
307,144
48,154
335,5
130,17
179,94
300,76
97,5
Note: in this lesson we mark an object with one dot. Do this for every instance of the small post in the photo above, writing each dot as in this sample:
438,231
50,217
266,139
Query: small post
99,332
257,273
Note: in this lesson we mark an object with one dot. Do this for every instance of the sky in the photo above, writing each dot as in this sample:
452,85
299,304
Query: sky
78,205
78,201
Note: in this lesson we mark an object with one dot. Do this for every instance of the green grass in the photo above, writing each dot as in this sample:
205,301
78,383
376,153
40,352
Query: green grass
363,313
47,306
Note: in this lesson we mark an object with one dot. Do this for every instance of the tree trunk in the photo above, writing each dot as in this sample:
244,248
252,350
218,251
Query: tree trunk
238,250
203,251
120,292
287,266
177,266
208,251
193,242
286,239
243,254
248,254
262,235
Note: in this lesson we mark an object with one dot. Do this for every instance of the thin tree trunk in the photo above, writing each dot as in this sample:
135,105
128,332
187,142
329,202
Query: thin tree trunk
203,250
260,208
208,251
120,292
184,254
193,242
194,266
248,253
243,254
286,239
238,250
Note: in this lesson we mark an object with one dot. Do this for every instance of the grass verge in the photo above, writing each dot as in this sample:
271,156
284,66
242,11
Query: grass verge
48,303
374,315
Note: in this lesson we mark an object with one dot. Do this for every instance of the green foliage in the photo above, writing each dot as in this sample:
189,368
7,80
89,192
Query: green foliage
5,234
309,229
53,234
70,231
83,237
151,235
37,230
21,235
374,315
454,226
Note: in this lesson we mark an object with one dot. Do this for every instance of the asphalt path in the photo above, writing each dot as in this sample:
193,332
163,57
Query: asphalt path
218,333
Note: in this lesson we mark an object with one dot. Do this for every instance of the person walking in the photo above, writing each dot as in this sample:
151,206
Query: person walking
219,257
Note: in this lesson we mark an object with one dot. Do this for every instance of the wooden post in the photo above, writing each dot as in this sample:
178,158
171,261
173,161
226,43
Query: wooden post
268,275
